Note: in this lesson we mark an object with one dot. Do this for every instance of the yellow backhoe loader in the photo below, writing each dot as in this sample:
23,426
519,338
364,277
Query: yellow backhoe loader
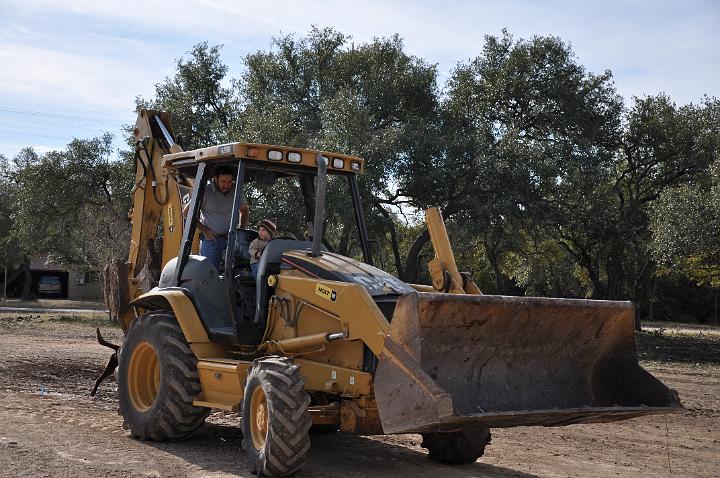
324,339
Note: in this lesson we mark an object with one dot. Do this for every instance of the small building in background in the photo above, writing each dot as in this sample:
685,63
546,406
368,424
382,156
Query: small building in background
50,282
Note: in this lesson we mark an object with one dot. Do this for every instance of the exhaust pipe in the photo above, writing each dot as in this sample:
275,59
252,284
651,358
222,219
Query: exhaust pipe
322,164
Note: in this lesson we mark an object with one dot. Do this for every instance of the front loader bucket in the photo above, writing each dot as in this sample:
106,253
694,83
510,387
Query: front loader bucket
497,361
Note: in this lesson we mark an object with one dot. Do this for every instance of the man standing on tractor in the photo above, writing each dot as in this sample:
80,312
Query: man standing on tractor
215,215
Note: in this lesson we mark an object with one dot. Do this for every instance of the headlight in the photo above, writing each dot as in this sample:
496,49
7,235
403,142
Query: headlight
294,157
338,163
274,155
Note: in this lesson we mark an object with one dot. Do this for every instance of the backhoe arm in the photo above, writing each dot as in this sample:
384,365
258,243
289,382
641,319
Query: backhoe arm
156,200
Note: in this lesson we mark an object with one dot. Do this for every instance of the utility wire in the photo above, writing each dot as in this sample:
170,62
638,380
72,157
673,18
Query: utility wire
26,121
65,138
56,115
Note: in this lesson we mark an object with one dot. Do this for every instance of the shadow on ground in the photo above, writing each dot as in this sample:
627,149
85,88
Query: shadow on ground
218,448
665,347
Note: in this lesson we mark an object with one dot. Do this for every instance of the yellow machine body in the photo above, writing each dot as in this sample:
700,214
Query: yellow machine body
456,358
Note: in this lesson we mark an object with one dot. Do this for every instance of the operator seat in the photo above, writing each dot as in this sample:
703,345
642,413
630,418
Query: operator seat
200,281
270,264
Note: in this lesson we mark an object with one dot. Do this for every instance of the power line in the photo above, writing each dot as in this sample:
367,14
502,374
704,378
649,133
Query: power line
35,134
27,121
61,116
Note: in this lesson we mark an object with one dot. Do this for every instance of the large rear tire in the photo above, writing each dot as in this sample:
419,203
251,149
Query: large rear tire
158,380
458,447
275,418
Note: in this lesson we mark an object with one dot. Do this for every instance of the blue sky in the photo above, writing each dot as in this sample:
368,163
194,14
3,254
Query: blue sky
72,68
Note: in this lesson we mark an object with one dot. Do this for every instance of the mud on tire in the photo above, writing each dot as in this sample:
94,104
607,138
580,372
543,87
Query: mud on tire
277,443
457,447
158,380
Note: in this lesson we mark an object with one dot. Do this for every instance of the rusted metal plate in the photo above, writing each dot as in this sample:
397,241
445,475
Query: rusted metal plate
510,361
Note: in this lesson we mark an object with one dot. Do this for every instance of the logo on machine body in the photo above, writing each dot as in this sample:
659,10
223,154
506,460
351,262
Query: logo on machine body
226,149
326,292
170,218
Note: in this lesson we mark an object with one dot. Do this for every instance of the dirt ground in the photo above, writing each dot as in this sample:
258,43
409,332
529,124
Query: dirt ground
50,427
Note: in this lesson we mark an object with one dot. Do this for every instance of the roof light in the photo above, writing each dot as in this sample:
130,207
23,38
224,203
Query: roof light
338,163
252,152
355,165
294,157
275,155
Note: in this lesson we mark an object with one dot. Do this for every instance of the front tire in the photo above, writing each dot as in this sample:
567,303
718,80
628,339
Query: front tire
458,447
275,418
158,380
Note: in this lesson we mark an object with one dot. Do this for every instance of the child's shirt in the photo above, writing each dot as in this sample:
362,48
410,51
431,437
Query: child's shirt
256,248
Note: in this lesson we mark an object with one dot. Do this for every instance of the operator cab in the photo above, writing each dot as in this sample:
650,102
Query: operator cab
232,305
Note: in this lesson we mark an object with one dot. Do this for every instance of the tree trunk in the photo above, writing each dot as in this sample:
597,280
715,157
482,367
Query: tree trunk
27,283
396,251
344,246
14,275
115,289
492,256
393,240
651,300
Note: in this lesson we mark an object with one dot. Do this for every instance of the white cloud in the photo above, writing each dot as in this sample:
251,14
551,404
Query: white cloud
59,77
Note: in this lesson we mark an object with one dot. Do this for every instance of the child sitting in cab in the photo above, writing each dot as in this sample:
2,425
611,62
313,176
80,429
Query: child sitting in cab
266,230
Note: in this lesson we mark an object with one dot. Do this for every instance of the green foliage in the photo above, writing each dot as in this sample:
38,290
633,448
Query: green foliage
371,100
10,249
546,182
202,108
73,204
283,202
546,270
549,184
685,224
529,138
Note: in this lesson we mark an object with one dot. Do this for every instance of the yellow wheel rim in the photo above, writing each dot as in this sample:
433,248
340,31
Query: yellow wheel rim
258,418
143,376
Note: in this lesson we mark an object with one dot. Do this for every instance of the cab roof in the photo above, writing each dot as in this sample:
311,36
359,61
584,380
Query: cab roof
279,158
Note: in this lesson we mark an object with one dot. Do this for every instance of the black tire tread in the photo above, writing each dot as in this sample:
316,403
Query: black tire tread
289,422
172,417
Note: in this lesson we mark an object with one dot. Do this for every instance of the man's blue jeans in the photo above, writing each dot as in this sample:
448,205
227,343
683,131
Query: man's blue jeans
214,250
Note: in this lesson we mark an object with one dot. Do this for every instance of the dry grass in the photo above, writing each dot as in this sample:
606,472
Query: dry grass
54,304
93,318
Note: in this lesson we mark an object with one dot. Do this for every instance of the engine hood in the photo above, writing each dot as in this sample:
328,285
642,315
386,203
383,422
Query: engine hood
334,267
